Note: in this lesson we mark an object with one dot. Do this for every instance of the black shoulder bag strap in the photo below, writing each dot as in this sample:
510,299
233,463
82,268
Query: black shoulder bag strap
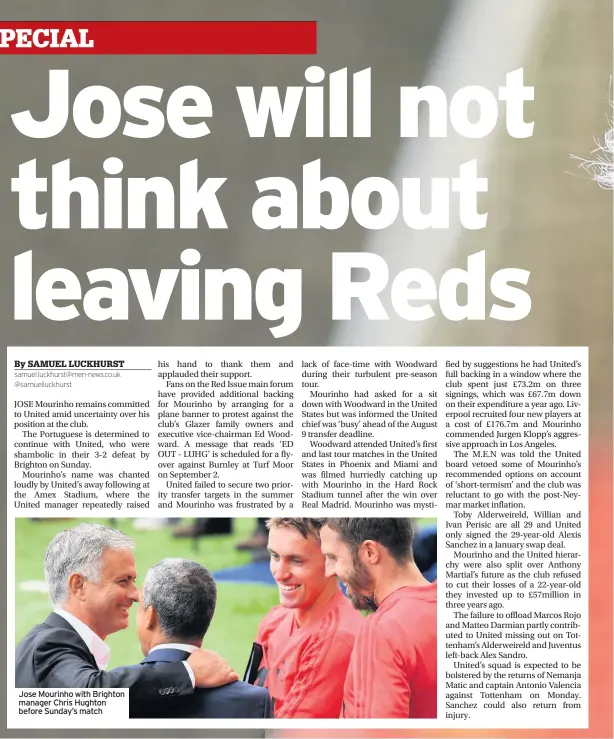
253,675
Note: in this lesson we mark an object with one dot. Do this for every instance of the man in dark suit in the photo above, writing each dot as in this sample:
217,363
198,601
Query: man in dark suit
175,609
90,572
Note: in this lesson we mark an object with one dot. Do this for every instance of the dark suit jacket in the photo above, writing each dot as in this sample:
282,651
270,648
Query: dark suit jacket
53,655
236,700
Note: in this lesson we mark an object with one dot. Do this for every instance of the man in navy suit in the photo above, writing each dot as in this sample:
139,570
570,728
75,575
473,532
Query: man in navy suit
176,606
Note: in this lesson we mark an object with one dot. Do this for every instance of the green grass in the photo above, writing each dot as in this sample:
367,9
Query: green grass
239,608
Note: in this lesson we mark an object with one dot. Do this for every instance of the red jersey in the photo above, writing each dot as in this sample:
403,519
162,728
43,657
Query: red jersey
307,665
393,670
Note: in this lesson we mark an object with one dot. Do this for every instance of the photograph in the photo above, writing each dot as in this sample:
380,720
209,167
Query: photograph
232,618
348,259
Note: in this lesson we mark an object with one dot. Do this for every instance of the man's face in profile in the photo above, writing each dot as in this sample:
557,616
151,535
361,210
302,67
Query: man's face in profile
347,568
297,564
108,601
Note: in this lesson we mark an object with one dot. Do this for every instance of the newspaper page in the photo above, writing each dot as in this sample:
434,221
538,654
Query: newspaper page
309,369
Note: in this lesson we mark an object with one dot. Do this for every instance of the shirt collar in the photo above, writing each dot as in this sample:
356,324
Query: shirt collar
100,651
181,647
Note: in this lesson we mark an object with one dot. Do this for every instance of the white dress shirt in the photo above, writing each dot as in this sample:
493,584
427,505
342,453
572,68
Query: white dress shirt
182,647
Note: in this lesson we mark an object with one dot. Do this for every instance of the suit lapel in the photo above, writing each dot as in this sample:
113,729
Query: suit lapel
55,621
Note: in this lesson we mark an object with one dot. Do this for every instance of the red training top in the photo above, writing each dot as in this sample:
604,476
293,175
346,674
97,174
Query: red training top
307,665
393,670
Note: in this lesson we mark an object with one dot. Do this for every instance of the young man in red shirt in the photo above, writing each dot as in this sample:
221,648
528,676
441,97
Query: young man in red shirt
393,669
307,640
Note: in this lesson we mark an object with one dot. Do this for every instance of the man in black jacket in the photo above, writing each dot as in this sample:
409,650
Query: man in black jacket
175,609
91,574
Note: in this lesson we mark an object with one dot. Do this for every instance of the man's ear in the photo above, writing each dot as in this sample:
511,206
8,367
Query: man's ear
371,552
76,586
151,618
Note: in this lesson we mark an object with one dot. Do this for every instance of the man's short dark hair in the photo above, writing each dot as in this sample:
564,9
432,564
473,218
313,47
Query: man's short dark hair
184,594
396,534
305,526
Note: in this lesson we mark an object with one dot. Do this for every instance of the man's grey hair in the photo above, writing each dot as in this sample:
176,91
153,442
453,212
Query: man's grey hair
79,551
184,595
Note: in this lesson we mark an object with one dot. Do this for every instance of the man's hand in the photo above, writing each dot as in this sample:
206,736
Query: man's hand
210,669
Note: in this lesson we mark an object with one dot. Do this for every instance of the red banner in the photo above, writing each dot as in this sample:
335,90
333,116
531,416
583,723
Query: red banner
158,37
